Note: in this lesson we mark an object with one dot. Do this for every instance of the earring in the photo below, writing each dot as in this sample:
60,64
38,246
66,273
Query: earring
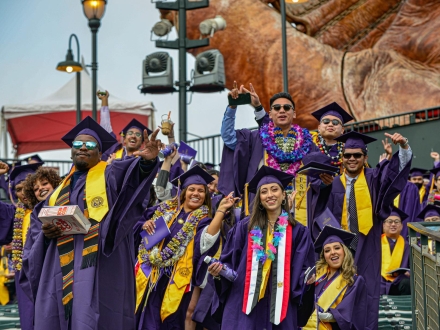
261,207
283,202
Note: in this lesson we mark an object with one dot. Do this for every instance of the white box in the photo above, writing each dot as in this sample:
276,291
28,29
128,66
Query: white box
69,218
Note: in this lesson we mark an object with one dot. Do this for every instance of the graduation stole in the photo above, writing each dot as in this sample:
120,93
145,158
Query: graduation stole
95,209
364,207
119,153
391,261
422,192
255,281
22,220
331,297
397,201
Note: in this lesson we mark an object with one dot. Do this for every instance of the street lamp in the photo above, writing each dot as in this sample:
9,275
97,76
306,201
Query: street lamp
69,66
94,10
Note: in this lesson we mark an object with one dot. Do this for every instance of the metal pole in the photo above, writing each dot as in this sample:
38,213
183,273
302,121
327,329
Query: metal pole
94,25
182,72
284,45
78,97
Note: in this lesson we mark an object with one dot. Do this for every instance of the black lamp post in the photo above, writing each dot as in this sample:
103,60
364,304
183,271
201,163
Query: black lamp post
69,66
94,10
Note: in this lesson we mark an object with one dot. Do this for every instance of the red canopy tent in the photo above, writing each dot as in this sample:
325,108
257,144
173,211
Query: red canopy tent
40,125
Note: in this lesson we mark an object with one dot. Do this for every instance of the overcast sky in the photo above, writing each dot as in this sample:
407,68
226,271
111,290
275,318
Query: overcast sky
34,38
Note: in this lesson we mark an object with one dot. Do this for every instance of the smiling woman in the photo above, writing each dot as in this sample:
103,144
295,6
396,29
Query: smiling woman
38,186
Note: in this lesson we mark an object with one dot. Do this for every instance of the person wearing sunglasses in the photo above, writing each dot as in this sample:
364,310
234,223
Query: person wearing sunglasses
395,256
86,281
278,144
361,199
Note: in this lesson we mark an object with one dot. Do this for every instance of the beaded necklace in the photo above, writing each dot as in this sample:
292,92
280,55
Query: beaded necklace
325,149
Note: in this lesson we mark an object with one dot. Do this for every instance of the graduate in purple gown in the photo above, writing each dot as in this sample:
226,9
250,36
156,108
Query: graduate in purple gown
278,144
165,274
434,192
270,253
416,177
340,294
14,224
395,255
362,209
408,201
86,281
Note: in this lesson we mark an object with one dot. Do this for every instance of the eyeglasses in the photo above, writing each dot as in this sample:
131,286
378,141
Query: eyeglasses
356,155
333,121
432,219
390,222
137,134
286,107
90,145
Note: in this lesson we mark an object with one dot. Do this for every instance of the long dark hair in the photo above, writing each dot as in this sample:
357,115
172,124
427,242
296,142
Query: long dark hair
206,202
258,216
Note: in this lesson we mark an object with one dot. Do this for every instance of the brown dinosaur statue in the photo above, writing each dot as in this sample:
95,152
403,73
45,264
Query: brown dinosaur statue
375,58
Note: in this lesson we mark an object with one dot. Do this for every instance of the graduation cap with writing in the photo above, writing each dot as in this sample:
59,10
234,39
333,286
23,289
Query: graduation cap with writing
355,140
396,212
19,173
332,109
265,175
416,171
430,210
90,127
34,158
332,235
185,151
316,163
136,124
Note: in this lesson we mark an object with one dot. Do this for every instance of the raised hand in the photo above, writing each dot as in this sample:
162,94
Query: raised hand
227,202
435,156
387,146
151,146
4,168
255,100
398,139
103,97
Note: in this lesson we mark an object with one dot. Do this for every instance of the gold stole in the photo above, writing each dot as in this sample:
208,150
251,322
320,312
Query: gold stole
118,154
266,267
300,202
25,225
4,270
397,201
363,204
96,193
422,192
391,261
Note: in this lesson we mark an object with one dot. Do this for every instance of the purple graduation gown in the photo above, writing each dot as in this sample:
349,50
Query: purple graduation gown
106,154
149,318
385,285
230,294
409,202
385,182
7,215
104,296
350,312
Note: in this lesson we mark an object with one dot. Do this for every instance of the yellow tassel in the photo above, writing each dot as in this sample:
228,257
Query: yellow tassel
246,196
298,205
432,184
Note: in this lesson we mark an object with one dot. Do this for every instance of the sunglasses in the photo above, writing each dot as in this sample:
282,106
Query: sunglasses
356,155
286,107
90,145
137,134
333,121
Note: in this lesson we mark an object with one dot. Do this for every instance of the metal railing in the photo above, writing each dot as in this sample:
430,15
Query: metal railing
425,274
61,166
210,147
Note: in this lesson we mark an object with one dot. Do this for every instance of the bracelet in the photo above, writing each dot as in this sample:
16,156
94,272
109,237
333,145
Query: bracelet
224,213
218,278
258,108
406,143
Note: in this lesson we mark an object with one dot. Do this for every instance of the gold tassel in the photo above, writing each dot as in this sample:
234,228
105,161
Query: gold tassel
432,184
246,202
298,205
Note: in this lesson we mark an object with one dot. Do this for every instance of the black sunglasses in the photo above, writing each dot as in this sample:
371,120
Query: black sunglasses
333,121
356,155
286,107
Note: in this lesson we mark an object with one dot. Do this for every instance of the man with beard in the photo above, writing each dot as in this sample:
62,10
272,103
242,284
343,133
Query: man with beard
86,281
362,198
278,144
416,177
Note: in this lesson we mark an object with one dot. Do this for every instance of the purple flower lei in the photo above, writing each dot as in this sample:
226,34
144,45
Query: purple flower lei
301,146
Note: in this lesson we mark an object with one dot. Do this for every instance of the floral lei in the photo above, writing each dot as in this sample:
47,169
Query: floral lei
176,247
257,236
17,236
285,156
336,160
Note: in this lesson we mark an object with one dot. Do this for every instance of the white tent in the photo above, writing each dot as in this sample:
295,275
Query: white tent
39,125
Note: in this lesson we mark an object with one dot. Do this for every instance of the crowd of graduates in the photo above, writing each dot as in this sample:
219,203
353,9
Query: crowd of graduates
296,230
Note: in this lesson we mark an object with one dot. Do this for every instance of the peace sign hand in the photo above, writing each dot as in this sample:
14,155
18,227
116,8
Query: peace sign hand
255,100
151,146
387,146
